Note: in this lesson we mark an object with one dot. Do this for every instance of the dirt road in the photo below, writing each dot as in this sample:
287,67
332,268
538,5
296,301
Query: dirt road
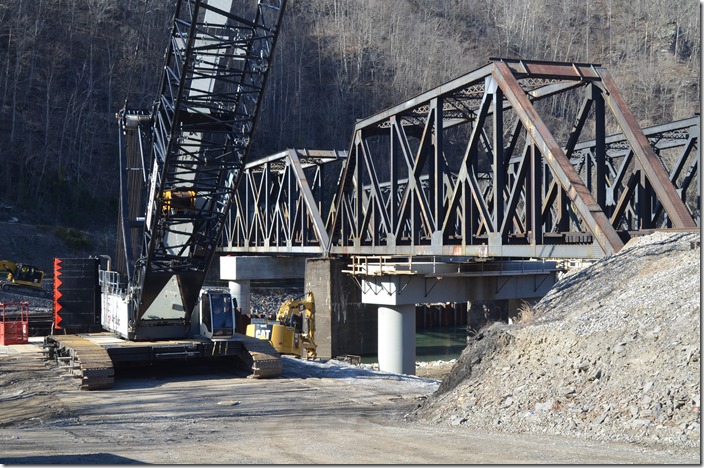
316,413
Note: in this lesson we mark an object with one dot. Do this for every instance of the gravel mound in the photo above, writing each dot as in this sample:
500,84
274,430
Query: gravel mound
268,300
611,353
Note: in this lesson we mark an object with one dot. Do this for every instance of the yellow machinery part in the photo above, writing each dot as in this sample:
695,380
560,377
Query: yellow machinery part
284,337
179,200
285,340
23,274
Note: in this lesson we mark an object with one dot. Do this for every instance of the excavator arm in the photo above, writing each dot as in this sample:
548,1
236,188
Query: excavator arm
7,265
299,313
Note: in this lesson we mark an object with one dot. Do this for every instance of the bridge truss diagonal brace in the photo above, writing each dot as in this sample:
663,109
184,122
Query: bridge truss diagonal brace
595,219
467,171
374,204
414,164
309,199
654,171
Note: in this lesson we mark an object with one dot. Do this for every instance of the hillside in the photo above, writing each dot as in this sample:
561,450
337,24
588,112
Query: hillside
69,66
38,245
610,353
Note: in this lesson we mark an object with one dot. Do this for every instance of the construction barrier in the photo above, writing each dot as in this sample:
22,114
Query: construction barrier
14,323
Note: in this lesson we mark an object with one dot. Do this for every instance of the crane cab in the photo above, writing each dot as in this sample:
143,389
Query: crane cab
216,315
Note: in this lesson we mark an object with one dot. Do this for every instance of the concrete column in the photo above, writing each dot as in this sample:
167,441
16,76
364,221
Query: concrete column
240,290
343,324
397,339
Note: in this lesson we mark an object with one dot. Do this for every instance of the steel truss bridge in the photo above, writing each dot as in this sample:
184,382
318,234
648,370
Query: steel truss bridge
479,168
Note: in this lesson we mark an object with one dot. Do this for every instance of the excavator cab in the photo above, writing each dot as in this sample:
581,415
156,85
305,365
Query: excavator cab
217,315
27,274
293,330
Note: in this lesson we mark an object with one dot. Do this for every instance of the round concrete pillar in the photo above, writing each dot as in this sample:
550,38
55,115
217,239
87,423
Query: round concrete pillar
397,339
240,291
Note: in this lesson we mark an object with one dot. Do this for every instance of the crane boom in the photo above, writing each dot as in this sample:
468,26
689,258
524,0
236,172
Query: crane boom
216,68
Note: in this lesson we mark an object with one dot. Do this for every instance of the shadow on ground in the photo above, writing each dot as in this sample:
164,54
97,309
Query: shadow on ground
84,459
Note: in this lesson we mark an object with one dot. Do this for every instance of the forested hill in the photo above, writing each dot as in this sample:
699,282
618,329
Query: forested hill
67,66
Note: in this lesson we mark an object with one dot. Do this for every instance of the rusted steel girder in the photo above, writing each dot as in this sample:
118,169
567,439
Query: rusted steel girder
648,161
676,145
680,138
473,168
423,178
595,219
281,204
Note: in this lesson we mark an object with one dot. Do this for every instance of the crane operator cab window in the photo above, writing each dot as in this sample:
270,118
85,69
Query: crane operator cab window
217,314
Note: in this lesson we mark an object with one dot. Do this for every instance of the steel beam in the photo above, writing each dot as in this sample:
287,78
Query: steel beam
439,175
573,185
648,161
278,207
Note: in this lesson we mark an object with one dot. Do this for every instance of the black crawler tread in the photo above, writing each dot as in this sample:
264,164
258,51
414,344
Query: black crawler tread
86,360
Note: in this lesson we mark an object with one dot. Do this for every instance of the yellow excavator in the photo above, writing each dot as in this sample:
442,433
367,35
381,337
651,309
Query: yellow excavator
23,279
293,330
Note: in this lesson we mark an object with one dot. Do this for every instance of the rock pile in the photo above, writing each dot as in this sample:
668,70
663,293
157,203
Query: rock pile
611,353
268,300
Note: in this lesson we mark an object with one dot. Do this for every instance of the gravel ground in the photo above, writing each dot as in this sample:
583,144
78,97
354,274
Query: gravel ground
612,353
610,356
315,413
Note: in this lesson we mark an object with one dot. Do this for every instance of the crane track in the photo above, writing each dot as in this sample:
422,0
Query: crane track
91,364
29,291
83,359
262,358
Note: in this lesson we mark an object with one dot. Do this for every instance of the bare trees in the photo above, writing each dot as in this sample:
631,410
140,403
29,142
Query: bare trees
59,60
67,65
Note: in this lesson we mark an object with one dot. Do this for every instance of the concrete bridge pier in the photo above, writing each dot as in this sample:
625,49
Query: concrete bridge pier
397,339
434,282
343,324
240,271
240,290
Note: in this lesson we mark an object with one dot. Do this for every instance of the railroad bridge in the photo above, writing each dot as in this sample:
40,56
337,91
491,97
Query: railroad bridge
474,190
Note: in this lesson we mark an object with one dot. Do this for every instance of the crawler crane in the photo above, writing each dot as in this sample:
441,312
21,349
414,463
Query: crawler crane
180,165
